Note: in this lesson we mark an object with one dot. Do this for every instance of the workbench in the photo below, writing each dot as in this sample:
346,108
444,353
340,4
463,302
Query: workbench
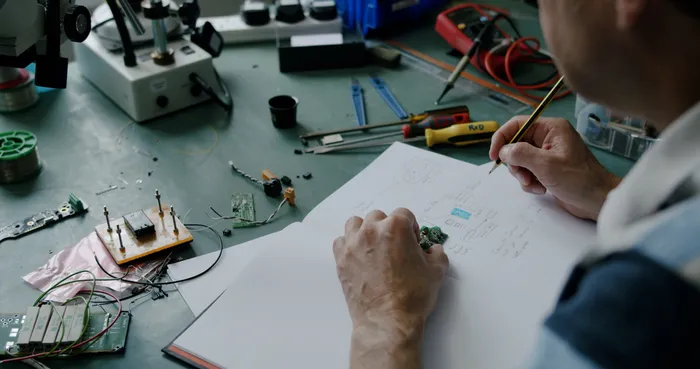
86,143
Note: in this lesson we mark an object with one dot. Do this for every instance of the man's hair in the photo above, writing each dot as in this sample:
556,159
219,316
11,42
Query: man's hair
688,7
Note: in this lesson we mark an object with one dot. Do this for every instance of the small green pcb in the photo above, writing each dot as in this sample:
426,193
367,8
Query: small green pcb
431,236
244,209
114,340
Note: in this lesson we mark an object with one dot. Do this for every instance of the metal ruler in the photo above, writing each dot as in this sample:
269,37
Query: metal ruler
473,89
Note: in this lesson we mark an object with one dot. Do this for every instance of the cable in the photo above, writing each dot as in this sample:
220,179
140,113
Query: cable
221,251
226,101
127,46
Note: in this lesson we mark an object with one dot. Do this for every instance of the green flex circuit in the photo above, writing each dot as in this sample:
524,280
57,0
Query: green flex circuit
430,236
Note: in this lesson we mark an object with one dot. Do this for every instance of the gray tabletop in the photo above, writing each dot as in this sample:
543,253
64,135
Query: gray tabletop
87,144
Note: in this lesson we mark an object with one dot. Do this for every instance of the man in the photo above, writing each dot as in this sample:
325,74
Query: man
634,301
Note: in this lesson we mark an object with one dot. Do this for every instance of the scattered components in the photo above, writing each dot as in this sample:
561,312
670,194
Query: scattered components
243,210
17,90
104,191
331,139
298,152
142,233
410,120
290,196
323,10
227,232
383,91
283,110
42,328
72,207
255,13
358,102
290,11
19,159
307,175
286,181
431,236
271,184
138,223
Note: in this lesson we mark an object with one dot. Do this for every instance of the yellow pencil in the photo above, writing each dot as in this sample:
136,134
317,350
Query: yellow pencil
536,114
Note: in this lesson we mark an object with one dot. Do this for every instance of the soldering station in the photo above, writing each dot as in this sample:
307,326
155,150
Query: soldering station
158,60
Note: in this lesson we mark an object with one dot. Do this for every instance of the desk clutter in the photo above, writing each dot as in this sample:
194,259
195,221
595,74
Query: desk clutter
263,303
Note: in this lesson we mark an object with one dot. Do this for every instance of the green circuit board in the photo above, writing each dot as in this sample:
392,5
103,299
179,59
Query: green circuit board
114,340
244,208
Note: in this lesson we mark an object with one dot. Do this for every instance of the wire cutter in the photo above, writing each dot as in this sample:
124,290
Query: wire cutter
358,102
388,97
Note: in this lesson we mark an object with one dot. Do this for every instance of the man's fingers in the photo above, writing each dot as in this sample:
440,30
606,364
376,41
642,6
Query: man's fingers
352,225
522,154
535,135
338,246
436,256
535,188
375,215
524,176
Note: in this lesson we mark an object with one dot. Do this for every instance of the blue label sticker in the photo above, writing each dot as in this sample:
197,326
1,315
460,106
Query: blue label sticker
461,213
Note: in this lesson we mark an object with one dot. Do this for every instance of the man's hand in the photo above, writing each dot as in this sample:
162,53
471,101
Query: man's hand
553,157
390,286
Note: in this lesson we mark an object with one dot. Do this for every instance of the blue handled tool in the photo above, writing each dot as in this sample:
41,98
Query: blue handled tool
358,102
388,97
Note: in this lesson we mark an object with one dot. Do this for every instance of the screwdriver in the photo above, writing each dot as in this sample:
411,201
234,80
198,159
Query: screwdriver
410,120
462,65
456,135
408,130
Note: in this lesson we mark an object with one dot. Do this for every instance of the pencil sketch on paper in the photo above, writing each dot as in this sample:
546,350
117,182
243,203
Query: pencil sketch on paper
420,171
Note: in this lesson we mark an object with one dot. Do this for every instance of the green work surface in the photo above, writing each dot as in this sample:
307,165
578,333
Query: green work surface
87,145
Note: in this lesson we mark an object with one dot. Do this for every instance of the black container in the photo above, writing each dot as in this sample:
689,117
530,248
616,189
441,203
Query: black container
283,110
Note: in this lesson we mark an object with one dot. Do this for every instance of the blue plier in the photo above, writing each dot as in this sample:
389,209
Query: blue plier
388,97
358,102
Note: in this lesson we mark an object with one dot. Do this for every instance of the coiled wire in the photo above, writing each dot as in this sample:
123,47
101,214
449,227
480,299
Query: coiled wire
19,158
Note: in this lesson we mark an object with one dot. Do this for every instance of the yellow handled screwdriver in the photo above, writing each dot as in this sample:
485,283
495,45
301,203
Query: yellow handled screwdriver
456,135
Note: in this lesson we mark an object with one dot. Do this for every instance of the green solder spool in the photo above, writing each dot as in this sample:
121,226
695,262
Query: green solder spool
19,159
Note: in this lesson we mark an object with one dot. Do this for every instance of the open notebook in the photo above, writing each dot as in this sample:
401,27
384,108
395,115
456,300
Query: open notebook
509,254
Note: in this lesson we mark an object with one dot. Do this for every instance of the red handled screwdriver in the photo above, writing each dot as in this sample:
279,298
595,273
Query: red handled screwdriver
434,123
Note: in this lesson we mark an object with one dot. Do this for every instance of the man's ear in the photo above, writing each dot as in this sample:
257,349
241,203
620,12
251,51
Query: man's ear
628,12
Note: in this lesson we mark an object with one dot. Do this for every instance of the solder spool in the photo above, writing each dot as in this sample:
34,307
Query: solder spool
19,159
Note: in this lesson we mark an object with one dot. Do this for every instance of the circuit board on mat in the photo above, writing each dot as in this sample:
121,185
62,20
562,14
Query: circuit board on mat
244,208
163,237
114,340
70,208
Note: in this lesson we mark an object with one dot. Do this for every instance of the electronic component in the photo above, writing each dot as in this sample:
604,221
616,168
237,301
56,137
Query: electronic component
68,318
286,181
139,224
243,208
323,10
290,196
289,11
77,326
307,175
227,232
431,236
255,13
56,323
125,246
28,321
114,340
42,321
72,207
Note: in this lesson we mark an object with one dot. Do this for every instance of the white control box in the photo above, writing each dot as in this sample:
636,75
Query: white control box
148,90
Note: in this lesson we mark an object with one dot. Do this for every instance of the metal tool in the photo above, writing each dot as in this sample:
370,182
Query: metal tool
358,102
535,114
388,97
411,119
364,139
474,86
456,135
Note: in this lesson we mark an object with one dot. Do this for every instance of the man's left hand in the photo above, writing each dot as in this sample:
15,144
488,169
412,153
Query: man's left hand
390,284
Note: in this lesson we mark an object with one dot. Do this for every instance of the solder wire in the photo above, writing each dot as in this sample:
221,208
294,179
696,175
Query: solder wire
19,169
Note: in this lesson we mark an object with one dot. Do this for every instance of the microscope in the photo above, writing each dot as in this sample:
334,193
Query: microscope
32,31
155,67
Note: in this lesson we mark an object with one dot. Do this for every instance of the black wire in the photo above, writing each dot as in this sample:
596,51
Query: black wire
127,46
226,102
98,25
221,251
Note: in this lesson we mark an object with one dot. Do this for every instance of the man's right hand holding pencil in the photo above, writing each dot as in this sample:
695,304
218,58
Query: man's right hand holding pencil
553,157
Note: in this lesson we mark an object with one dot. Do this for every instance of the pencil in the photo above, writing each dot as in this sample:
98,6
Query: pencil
535,114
